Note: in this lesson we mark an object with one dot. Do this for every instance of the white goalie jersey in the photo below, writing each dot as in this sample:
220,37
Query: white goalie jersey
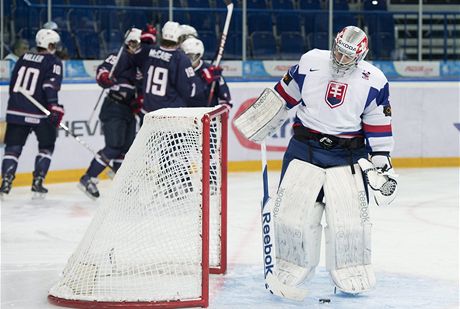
350,106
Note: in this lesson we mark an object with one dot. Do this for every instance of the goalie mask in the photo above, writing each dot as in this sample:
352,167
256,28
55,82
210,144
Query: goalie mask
348,49
133,39
194,50
45,37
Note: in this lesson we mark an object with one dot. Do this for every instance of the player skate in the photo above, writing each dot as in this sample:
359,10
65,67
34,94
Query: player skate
7,183
38,190
88,186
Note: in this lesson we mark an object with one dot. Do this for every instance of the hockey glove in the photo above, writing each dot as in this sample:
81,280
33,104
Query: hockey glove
136,104
211,74
149,35
103,79
56,114
381,178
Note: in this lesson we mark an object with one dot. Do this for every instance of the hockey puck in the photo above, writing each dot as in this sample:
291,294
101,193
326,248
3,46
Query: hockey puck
324,300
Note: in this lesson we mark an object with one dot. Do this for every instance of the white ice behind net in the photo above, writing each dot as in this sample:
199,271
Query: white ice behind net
144,243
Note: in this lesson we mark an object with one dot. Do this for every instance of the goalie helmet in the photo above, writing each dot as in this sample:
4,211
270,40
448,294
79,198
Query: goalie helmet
170,31
186,31
45,37
194,49
133,39
348,49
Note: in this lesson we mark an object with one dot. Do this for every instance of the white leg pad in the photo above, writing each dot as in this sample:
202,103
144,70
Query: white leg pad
348,231
298,222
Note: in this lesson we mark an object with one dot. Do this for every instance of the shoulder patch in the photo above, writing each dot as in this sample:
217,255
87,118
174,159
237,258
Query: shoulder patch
387,110
287,78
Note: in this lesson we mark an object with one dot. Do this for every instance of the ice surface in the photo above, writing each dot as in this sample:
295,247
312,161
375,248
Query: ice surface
415,246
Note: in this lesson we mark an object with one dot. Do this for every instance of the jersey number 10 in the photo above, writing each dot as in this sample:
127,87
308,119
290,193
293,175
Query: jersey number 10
157,80
27,80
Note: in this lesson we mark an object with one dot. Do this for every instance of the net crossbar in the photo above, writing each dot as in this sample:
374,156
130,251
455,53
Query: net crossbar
162,226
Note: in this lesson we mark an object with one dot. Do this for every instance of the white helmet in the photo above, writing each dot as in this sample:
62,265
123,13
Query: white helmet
348,49
45,37
51,25
133,35
194,49
133,39
186,31
170,31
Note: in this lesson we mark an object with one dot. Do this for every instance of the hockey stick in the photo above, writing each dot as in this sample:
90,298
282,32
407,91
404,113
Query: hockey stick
64,127
272,282
223,39
110,75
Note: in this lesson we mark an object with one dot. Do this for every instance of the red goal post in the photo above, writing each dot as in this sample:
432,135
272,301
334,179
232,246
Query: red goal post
162,228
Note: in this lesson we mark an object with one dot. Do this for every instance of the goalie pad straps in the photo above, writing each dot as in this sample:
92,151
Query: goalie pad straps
263,117
348,231
298,222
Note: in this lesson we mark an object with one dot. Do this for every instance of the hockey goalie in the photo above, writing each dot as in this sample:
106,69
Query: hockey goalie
341,146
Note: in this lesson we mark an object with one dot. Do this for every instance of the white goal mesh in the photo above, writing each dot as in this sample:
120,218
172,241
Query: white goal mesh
148,241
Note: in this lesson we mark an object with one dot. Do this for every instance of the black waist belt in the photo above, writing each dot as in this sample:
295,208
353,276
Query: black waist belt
327,141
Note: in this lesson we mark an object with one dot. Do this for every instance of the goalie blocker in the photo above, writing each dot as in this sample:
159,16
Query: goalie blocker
262,118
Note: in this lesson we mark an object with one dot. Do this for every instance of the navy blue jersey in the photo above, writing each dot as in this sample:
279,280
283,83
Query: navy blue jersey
221,92
168,78
127,79
40,75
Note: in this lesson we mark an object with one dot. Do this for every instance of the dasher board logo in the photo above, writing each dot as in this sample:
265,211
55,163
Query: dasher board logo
335,94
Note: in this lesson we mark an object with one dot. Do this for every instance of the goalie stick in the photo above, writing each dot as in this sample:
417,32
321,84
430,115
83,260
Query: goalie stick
272,283
223,39
64,127
110,75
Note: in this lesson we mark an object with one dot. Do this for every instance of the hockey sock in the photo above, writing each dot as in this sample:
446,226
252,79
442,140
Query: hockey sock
42,162
10,160
118,161
98,164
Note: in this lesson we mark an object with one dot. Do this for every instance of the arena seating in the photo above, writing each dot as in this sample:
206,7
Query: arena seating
102,22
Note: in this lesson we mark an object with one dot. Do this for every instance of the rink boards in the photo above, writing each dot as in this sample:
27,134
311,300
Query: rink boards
426,123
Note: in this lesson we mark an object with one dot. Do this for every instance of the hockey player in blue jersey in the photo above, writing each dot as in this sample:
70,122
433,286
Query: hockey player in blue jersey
343,118
40,75
209,74
121,104
168,77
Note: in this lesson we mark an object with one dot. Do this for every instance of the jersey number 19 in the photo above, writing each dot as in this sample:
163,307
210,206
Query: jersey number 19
157,80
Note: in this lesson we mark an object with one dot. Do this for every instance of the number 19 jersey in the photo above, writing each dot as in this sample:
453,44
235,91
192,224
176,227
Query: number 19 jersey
169,79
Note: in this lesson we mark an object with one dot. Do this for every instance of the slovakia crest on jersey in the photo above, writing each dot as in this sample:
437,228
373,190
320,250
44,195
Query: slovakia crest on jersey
335,94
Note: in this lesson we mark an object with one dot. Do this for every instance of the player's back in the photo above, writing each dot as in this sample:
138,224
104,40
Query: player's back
169,79
35,73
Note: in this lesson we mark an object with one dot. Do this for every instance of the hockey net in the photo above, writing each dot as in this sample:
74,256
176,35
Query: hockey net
161,229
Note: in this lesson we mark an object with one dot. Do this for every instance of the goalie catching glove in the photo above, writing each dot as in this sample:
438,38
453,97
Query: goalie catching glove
381,178
263,117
